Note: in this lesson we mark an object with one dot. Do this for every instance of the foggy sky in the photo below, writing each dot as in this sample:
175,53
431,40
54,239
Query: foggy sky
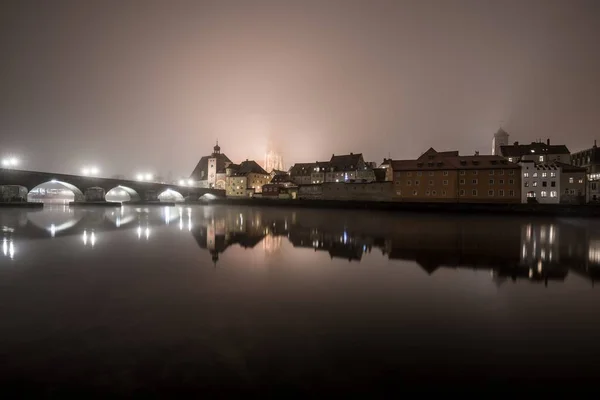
150,85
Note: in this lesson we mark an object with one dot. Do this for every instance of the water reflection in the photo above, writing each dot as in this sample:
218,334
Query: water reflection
538,250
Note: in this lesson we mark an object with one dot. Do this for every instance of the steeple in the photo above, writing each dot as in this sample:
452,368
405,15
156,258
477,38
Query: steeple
217,148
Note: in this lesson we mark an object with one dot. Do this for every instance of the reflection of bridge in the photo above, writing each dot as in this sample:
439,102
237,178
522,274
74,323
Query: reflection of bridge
78,184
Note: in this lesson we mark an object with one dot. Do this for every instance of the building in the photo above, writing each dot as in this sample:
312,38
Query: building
245,179
553,183
345,168
538,152
301,173
210,172
448,177
500,139
273,161
590,160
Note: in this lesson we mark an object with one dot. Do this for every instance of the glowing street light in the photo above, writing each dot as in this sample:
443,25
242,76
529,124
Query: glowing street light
90,171
190,182
148,177
10,162
181,182
139,177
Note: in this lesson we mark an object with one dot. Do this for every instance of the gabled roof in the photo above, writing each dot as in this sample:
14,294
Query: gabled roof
482,162
535,148
302,168
433,160
250,166
346,162
202,166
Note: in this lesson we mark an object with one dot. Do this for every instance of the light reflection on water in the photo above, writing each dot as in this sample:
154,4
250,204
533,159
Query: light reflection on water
280,289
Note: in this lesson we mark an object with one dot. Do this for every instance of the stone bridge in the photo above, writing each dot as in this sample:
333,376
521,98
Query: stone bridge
137,191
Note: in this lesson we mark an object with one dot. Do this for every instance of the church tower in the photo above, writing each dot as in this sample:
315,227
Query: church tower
212,166
500,139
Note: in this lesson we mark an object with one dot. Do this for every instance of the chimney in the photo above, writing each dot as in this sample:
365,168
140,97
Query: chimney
516,143
548,141
477,153
594,142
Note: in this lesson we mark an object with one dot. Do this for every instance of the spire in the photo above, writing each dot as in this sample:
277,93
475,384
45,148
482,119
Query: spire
217,148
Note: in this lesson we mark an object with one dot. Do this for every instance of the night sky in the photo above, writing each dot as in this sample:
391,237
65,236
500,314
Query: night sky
150,85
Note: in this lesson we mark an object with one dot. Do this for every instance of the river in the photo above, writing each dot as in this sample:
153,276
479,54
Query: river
219,299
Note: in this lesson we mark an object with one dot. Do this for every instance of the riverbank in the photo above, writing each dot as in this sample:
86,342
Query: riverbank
150,203
94,204
21,204
563,210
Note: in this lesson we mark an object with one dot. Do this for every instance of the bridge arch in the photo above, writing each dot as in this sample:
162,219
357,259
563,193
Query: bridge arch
171,195
77,193
123,190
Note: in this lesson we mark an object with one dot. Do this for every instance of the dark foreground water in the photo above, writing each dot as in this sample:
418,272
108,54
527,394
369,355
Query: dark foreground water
217,300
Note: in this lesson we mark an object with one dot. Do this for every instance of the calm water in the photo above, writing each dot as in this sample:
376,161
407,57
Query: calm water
216,299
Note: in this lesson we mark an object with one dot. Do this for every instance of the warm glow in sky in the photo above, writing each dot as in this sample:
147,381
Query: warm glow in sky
149,86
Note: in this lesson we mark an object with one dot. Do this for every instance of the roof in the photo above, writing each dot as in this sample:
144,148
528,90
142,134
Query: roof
433,160
568,167
247,167
520,150
281,179
202,166
276,172
302,168
346,162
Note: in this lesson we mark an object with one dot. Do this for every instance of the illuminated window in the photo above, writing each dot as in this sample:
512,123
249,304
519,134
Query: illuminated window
534,183
526,184
544,193
553,193
525,174
570,180
535,174
544,174
541,158
581,181
510,159
552,174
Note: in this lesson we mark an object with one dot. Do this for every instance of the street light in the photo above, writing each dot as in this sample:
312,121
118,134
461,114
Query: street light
10,162
148,177
89,171
190,182
139,177
181,182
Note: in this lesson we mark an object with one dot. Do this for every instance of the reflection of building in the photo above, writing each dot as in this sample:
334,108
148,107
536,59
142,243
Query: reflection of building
210,171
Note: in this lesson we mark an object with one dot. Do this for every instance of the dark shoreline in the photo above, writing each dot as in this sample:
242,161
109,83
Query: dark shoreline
21,204
560,210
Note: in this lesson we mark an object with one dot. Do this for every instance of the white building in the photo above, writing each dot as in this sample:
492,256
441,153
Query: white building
552,183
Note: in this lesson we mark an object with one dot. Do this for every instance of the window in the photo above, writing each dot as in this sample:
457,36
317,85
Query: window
525,174
535,174
501,172
474,192
553,193
430,183
501,192
427,193
544,174
552,174
570,180
566,191
417,182
510,159
541,158
490,192
580,180
414,192
534,183
443,192
511,193
462,181
462,172
511,172
474,181
419,173
445,173
491,172
462,192
544,184
434,193
501,182
491,181
431,173
511,181
475,172
544,193
408,183
526,184
398,182
445,182
409,174
399,192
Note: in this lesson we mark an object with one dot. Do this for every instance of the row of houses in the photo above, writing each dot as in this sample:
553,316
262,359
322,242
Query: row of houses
515,173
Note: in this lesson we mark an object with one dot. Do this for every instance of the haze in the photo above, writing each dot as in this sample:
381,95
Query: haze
150,85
